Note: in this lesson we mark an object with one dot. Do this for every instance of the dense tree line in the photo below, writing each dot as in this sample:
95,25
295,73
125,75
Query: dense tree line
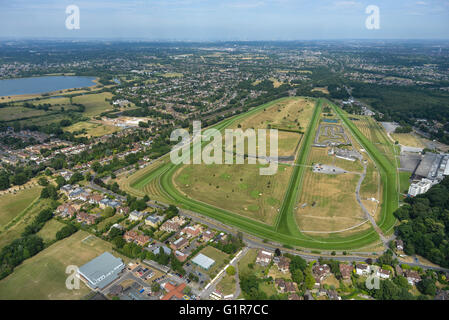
424,224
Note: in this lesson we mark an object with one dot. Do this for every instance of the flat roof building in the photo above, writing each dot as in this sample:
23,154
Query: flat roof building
420,187
101,271
203,261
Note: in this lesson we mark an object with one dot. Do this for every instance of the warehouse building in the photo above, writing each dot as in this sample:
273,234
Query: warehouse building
203,261
101,271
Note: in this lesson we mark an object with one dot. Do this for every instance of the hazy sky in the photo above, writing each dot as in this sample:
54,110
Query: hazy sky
225,19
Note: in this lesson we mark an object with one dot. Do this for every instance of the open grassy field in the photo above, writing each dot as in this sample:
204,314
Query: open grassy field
331,204
409,139
14,228
227,284
404,181
328,203
13,204
321,89
48,232
14,113
43,276
92,129
292,113
246,261
237,188
220,259
94,103
374,132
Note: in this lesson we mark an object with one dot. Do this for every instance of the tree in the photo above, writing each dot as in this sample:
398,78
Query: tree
19,179
155,287
427,286
43,181
230,270
66,231
298,276
309,280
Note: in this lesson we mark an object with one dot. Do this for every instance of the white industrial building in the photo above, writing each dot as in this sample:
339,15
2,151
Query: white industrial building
420,187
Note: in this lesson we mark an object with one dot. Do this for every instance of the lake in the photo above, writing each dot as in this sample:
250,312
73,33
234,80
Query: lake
37,85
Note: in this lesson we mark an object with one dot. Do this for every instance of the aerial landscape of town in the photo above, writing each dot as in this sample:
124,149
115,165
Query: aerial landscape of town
93,207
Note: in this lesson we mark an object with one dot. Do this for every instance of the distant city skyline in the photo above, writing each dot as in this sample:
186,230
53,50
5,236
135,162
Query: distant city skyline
212,20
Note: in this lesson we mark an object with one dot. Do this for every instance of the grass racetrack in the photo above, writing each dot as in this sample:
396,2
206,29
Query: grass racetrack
158,182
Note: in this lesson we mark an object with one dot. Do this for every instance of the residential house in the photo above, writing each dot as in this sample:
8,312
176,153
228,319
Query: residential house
192,231
67,189
412,276
153,221
400,245
136,215
123,210
180,244
66,210
76,194
170,226
89,219
95,198
320,272
383,274
180,256
109,203
362,269
286,286
283,264
264,258
346,271
137,238
208,235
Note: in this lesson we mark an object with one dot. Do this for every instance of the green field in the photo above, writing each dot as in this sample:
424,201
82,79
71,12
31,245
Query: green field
219,257
94,103
92,129
15,227
43,276
48,232
13,204
285,229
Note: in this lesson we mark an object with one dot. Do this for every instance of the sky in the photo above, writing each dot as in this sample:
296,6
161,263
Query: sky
211,20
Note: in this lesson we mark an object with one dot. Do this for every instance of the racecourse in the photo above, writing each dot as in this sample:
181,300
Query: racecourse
285,229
